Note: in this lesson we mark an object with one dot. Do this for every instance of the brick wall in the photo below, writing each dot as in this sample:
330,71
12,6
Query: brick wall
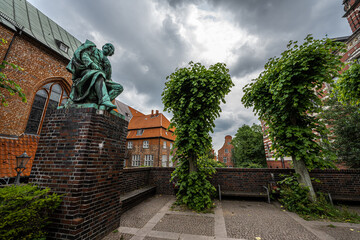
80,154
40,66
340,183
160,177
134,178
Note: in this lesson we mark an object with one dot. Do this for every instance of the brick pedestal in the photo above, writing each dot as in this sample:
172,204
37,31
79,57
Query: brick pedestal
80,154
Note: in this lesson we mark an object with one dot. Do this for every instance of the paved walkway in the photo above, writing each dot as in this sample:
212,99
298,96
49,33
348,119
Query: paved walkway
154,219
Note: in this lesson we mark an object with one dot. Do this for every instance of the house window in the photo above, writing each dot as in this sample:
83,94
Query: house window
170,161
171,145
62,46
164,145
135,160
145,144
139,132
124,163
225,159
164,161
226,151
149,160
130,145
46,100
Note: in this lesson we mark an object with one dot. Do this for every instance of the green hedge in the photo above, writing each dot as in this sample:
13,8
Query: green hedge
24,211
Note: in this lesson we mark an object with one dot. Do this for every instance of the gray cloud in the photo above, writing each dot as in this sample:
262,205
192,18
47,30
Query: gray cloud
149,43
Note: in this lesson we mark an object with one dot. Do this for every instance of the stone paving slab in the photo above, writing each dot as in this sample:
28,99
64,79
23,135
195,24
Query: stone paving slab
185,224
231,220
138,216
251,220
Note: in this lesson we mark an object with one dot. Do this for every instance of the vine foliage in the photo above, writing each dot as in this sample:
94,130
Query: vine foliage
8,84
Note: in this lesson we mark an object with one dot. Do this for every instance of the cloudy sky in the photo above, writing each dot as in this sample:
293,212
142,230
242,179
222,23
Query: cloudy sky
154,37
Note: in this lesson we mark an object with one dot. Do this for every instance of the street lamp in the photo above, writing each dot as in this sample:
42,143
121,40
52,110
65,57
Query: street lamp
21,162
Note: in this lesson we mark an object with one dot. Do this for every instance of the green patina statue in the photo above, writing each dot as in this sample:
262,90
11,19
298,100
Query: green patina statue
91,75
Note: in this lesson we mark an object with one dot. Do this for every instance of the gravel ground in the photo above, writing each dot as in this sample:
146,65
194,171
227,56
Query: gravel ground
197,225
251,220
138,216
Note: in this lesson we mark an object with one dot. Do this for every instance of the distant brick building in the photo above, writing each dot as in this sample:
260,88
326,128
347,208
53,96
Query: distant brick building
43,49
148,142
352,11
224,153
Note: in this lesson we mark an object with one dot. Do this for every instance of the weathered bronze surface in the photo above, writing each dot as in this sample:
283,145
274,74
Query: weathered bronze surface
91,75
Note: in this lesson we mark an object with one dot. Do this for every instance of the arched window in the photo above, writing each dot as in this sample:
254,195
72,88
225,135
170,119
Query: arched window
48,98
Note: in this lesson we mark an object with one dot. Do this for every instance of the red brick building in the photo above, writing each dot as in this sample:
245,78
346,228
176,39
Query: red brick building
148,142
224,153
43,49
352,11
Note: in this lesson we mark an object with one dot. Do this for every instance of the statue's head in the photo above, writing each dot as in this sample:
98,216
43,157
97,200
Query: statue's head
108,49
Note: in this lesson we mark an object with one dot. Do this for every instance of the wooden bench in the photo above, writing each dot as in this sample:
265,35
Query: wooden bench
264,194
133,198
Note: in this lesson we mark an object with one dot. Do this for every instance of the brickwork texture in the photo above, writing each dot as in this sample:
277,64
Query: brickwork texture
341,184
80,154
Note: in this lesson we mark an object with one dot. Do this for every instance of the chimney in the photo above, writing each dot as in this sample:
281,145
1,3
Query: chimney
157,112
152,113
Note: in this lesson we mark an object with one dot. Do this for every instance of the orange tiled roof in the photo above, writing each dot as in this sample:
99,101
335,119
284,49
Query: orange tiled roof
10,148
149,121
151,133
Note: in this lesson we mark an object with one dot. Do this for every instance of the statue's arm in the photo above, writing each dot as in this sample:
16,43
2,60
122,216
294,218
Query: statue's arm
88,62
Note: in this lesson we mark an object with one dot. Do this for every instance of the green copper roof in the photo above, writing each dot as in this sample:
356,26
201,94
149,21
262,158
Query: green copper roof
20,13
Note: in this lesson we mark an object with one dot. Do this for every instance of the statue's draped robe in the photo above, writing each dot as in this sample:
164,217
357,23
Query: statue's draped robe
87,65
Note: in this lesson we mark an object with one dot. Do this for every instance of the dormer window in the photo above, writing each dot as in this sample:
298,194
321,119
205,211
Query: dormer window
139,132
62,46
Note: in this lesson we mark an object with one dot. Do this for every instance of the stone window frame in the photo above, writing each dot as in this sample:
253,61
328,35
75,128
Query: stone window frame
146,144
149,160
46,90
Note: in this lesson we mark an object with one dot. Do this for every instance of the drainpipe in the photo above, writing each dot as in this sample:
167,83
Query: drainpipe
17,33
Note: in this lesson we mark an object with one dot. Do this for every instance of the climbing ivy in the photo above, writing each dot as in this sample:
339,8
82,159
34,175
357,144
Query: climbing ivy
6,83
193,94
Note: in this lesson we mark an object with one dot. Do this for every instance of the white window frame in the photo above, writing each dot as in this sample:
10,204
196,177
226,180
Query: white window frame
145,144
135,160
164,145
149,160
130,145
